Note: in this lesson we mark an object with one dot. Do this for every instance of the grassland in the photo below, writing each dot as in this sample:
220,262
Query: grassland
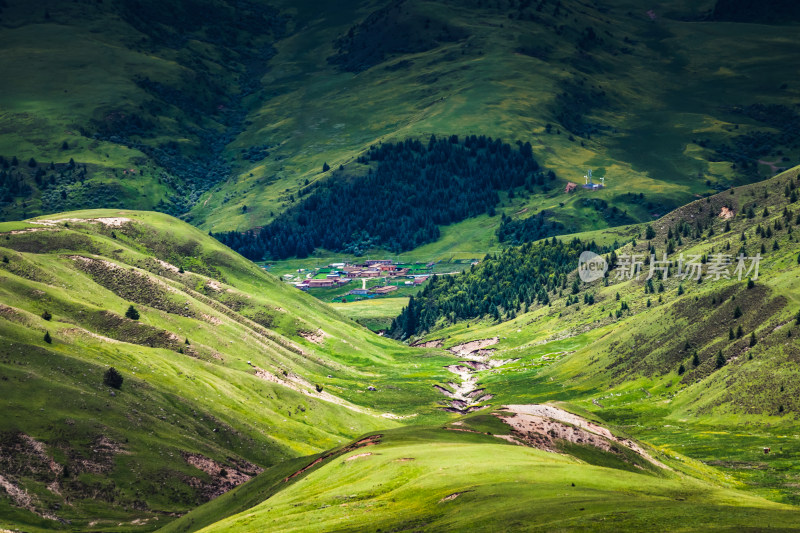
441,480
229,372
222,364
626,370
222,345
376,314
485,86
647,103
708,425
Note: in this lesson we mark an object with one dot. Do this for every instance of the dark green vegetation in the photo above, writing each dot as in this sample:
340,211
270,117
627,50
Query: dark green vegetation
134,102
769,12
226,116
500,286
399,206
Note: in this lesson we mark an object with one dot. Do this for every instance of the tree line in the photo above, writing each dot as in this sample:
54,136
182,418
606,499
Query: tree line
410,189
499,287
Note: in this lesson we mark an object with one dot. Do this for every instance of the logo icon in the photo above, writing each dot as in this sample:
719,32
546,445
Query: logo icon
591,267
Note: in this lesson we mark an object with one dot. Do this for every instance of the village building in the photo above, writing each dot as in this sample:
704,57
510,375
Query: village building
571,187
385,289
318,283
359,292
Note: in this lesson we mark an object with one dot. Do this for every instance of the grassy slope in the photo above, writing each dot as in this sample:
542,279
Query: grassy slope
666,83
708,426
625,370
482,86
39,115
402,485
73,76
206,400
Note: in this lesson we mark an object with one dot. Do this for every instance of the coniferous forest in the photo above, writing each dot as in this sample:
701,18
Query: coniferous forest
500,286
410,189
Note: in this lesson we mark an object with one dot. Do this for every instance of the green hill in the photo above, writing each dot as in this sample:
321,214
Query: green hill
151,378
645,356
225,115
226,371
457,481
699,463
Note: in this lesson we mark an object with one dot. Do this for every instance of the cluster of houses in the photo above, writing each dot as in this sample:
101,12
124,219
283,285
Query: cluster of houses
343,273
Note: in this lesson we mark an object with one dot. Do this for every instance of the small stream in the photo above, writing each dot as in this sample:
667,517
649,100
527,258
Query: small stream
464,394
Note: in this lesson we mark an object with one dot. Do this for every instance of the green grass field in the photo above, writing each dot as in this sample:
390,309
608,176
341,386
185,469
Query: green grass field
223,362
85,268
483,86
375,314
246,403
455,481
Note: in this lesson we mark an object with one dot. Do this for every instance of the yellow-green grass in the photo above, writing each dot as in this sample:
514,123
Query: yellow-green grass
375,313
202,397
450,482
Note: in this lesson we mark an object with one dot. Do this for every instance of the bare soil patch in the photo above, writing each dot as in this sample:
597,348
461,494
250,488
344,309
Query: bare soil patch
317,337
223,477
540,425
463,350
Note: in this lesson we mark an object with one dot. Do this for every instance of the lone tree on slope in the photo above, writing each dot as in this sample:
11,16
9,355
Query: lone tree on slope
112,378
132,313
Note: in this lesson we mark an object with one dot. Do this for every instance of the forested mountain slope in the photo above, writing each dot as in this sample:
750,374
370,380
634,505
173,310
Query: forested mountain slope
225,113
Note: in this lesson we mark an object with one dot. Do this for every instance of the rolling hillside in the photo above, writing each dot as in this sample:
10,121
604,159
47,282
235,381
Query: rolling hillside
225,115
650,429
226,371
660,103
441,480
645,357
153,377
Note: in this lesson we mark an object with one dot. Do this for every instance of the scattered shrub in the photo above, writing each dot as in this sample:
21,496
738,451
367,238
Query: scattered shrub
112,378
132,313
